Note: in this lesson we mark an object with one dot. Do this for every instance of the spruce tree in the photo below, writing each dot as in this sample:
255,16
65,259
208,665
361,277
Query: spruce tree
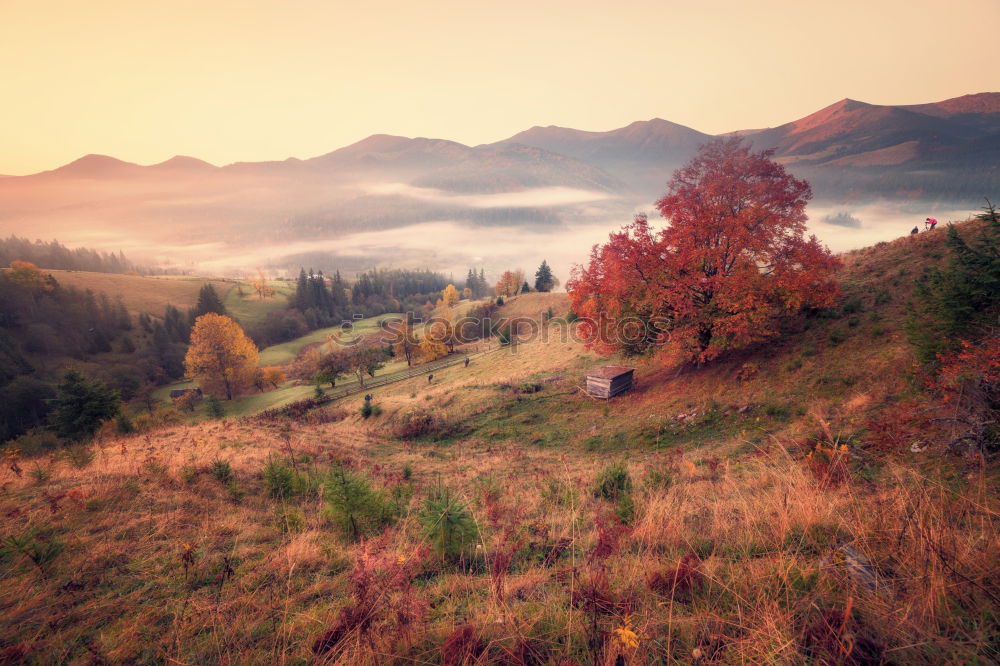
957,302
544,280
208,301
80,407
301,298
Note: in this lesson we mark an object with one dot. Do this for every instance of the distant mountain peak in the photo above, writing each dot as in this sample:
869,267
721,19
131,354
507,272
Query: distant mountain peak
184,162
97,166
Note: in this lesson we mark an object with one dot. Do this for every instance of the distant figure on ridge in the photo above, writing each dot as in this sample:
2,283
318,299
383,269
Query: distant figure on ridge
430,378
466,361
915,231
930,223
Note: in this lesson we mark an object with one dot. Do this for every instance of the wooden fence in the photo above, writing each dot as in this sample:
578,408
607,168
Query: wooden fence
410,373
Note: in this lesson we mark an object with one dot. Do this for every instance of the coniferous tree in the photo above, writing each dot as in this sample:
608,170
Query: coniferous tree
178,328
301,298
958,302
80,407
544,280
208,301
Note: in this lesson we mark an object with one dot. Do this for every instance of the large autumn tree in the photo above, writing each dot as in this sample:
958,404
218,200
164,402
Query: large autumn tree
221,356
732,259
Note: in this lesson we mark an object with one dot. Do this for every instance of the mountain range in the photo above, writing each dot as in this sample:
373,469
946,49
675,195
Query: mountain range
851,151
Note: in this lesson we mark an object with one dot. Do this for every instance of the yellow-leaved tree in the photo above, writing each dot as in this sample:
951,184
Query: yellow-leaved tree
221,356
435,342
450,295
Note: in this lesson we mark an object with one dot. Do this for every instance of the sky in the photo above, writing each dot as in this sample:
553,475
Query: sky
248,80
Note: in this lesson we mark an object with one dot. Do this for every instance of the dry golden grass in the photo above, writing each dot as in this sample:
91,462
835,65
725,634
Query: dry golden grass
776,557
533,304
149,294
737,545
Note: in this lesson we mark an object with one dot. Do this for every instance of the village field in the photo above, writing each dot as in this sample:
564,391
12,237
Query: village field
770,507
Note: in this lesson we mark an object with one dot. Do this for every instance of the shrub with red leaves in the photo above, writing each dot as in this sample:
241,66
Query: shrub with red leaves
463,646
679,582
381,592
608,537
896,428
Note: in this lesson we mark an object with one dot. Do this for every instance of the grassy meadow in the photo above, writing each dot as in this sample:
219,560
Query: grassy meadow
742,512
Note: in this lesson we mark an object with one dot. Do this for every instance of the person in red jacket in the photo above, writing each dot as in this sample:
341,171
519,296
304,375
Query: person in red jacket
930,223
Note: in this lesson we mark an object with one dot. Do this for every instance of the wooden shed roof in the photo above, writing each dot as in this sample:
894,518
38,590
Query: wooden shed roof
610,371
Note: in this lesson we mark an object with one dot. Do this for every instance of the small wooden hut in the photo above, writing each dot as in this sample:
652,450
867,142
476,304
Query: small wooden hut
609,381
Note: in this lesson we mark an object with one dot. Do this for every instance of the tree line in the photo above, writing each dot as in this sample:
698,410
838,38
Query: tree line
56,256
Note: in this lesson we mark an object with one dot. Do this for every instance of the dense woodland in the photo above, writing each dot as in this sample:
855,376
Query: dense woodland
46,327
56,256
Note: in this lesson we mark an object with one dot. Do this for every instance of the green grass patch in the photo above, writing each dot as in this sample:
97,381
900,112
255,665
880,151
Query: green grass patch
287,351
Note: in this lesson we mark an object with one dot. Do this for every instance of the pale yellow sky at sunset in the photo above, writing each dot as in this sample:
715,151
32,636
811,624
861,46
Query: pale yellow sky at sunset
234,80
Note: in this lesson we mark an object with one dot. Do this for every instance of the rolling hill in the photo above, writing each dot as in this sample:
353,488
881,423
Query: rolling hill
718,514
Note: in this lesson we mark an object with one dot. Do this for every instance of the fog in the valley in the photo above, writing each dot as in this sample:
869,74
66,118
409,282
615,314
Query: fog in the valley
580,218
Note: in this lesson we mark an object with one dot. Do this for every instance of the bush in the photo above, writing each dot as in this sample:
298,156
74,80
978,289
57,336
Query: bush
222,471
290,520
613,482
124,425
214,407
158,419
80,407
625,509
837,336
448,525
281,481
236,492
778,410
79,456
40,552
853,306
505,336
417,423
35,443
354,506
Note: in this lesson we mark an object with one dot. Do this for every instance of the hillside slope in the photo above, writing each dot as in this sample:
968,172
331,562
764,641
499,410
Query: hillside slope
724,514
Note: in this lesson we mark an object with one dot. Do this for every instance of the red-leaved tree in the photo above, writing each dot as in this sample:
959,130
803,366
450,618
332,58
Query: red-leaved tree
731,261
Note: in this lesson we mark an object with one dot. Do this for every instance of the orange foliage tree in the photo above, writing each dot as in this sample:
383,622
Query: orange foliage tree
221,356
509,283
274,376
26,274
260,286
732,259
